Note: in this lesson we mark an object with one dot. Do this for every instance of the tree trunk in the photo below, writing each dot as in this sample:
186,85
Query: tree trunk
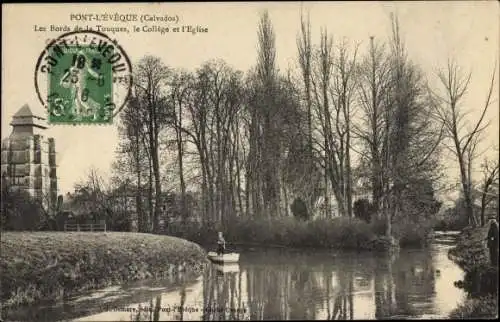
204,195
348,172
158,196
180,155
285,197
150,197
466,191
138,196
483,206
238,173
138,204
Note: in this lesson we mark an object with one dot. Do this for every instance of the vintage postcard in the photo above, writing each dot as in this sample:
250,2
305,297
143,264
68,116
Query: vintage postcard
249,161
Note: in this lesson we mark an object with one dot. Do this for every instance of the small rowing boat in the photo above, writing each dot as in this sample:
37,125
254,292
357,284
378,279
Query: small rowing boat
225,258
227,268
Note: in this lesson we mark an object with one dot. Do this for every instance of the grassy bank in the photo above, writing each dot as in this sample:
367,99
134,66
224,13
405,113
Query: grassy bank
336,233
471,253
481,279
38,265
483,307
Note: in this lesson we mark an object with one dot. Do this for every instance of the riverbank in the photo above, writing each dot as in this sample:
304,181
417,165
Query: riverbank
55,265
470,252
481,279
339,233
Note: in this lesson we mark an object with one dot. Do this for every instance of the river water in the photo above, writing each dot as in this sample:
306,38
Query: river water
281,284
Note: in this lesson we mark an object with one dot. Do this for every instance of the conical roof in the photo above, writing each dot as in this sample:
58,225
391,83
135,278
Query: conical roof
24,111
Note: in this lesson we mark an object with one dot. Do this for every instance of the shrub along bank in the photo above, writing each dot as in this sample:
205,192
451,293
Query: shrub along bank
470,253
337,233
481,279
38,265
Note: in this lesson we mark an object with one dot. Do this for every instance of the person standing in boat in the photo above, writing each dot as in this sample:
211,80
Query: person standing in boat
221,244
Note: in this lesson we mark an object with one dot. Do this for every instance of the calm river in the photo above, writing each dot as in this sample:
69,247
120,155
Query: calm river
281,284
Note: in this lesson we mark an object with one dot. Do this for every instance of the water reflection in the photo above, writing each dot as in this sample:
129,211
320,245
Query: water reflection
319,286
290,285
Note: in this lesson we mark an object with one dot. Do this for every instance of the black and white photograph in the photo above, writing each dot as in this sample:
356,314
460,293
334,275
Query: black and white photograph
210,161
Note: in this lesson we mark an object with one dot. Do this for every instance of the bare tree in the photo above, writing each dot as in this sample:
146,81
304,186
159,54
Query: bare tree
132,160
490,169
372,96
269,113
181,88
305,59
453,116
411,136
213,108
90,195
397,130
150,78
334,86
345,83
329,148
305,50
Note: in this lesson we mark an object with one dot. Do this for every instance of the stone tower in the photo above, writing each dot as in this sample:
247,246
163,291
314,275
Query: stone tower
29,158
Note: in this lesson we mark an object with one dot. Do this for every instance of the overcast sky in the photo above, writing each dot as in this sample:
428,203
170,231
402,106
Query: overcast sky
433,32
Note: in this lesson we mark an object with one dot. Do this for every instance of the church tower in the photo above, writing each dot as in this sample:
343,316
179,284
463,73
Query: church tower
29,158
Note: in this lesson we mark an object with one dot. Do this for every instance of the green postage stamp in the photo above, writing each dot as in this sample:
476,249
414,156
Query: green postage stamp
85,78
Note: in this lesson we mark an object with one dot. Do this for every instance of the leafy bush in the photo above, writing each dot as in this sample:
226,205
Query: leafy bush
470,252
410,233
299,209
480,280
378,226
452,219
363,209
483,307
341,232
338,232
413,233
20,211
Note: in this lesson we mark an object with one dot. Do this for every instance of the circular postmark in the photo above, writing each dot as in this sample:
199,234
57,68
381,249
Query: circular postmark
83,77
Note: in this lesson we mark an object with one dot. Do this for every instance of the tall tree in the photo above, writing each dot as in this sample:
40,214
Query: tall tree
321,85
216,101
305,52
267,75
412,134
334,85
397,129
463,141
373,77
149,81
180,95
309,161
131,162
345,83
